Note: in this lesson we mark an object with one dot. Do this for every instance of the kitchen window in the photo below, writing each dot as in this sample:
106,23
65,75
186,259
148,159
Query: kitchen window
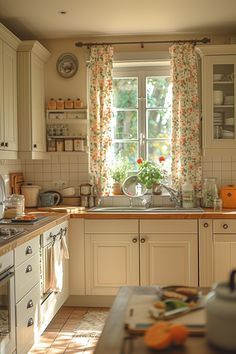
141,122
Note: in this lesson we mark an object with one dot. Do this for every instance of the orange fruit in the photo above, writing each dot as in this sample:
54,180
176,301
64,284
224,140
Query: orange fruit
158,336
179,334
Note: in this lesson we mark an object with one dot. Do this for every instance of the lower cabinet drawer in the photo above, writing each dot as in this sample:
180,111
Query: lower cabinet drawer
26,276
27,312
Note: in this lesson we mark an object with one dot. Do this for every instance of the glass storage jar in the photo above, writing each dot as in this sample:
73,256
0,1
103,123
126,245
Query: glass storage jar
209,192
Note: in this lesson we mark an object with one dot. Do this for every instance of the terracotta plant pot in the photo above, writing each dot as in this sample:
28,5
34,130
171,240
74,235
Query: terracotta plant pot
116,189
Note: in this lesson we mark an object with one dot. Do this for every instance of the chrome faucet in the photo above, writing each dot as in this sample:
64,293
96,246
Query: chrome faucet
175,196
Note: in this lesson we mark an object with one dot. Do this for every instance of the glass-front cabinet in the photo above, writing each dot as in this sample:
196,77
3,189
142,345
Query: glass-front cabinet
218,98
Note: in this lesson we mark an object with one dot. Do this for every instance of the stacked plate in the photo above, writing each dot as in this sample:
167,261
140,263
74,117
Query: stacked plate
229,121
226,134
229,100
218,118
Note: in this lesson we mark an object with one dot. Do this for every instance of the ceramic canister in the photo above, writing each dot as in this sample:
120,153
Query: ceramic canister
221,315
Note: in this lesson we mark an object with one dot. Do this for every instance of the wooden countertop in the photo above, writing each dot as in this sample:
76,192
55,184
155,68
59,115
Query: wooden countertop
75,212
209,214
112,338
31,231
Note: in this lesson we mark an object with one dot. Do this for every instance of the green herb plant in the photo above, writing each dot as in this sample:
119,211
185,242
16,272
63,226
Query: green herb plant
148,173
120,171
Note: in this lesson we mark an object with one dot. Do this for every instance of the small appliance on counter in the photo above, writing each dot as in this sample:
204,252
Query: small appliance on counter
228,196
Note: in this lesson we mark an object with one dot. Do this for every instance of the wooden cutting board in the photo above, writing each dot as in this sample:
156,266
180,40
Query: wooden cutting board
16,180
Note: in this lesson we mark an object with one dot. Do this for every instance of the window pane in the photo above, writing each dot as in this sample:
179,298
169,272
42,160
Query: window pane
155,149
128,150
158,123
125,92
158,91
125,124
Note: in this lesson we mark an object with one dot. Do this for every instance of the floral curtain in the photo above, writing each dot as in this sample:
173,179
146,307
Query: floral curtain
186,152
100,113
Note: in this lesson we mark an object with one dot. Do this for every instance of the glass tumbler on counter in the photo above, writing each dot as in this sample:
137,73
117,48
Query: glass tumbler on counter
209,192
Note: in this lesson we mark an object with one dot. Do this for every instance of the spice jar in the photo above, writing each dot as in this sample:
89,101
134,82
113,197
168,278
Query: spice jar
52,104
78,103
60,145
209,192
60,103
69,104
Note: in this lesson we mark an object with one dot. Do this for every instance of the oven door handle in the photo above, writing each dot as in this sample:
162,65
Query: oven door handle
5,278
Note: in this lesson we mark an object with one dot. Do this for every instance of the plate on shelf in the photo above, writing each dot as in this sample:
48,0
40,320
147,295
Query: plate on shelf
67,65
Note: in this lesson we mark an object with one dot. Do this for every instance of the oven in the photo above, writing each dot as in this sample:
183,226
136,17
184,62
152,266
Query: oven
47,241
7,304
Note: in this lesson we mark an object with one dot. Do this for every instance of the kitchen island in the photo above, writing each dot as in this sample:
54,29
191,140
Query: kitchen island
115,338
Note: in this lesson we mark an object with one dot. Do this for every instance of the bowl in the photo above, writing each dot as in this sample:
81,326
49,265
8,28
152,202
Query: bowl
218,77
68,192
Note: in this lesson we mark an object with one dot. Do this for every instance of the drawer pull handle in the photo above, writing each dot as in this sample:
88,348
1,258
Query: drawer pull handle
29,268
30,322
225,226
135,240
142,240
29,250
30,304
206,224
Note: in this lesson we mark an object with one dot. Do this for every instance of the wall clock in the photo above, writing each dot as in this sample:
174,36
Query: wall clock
67,65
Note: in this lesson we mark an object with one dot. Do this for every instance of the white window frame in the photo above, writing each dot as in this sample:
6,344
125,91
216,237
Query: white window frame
141,72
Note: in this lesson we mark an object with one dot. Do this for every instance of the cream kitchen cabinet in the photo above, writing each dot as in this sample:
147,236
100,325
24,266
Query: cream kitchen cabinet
217,250
111,255
140,252
168,252
31,58
27,294
8,94
218,98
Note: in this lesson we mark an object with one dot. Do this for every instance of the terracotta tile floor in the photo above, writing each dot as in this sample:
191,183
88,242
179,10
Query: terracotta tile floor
60,336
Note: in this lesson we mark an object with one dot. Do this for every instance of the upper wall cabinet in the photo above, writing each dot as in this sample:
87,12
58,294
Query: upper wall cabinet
31,59
8,94
218,98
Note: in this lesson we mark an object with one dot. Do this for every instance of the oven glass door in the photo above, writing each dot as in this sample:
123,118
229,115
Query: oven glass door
7,312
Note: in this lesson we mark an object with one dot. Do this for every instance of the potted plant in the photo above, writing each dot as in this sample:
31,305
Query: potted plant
151,175
118,174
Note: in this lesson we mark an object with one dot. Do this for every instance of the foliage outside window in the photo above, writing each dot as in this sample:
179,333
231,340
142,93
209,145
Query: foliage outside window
141,122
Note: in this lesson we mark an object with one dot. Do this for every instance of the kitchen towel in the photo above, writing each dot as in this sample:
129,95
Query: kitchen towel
59,250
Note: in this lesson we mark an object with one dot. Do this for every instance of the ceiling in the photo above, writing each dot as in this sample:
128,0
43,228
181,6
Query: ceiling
32,19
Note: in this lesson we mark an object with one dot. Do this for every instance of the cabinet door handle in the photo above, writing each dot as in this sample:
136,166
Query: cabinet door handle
35,145
6,144
142,240
28,250
30,304
205,224
2,143
134,240
225,226
29,268
30,322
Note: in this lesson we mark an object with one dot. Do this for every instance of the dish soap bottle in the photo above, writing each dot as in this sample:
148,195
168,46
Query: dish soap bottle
188,194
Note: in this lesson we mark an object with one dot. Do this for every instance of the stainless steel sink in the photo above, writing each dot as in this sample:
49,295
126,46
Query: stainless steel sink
126,209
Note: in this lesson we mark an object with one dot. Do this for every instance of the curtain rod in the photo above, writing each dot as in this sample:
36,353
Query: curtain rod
194,41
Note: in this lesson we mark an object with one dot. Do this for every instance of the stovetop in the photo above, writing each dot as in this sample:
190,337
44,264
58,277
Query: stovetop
9,232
